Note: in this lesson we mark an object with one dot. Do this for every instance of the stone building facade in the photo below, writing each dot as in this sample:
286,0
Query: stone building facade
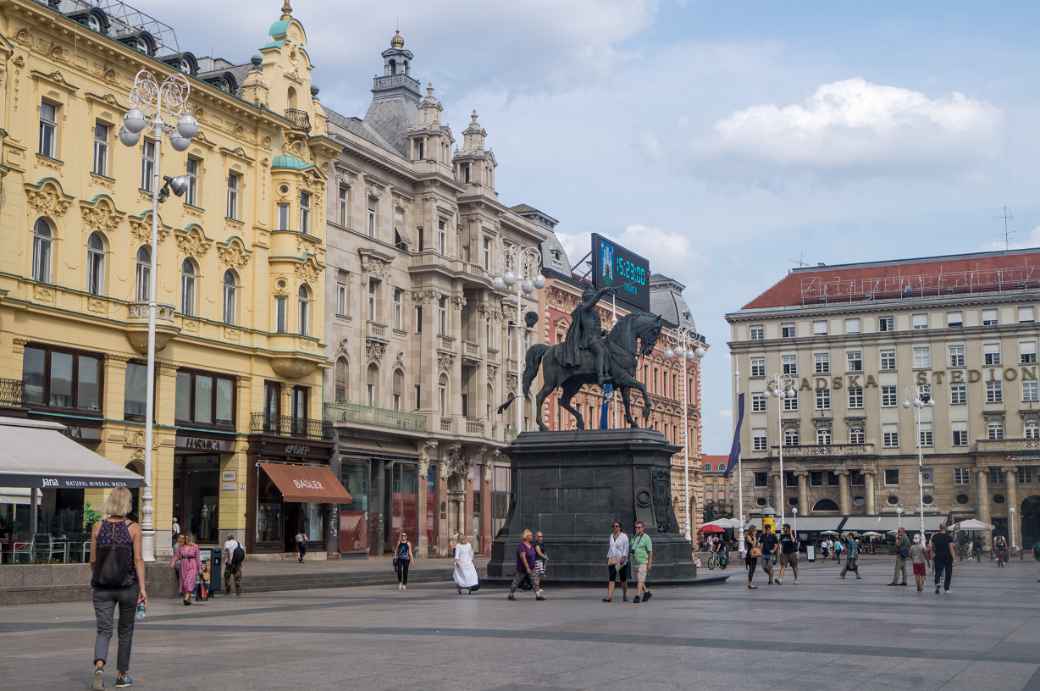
858,340
661,376
720,492
240,339
419,339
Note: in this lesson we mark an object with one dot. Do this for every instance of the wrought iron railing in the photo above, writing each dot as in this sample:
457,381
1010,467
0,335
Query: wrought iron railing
10,393
345,413
139,310
299,118
288,426
474,426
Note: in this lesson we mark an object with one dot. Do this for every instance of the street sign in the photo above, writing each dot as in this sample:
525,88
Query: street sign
615,266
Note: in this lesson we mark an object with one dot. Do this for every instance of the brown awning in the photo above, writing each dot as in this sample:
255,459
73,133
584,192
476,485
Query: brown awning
307,483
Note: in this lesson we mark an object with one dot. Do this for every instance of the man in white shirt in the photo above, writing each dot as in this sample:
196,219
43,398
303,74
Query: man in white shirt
233,568
617,563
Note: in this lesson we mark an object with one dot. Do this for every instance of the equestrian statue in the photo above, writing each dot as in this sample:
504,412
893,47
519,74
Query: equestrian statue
588,355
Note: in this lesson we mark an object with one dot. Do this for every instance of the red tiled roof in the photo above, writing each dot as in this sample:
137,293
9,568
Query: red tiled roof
715,460
961,273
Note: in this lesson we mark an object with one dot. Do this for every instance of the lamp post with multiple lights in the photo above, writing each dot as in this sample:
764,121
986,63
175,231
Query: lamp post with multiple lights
686,351
521,280
164,107
919,401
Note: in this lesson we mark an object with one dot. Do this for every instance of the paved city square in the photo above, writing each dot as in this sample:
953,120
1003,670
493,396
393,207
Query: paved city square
820,633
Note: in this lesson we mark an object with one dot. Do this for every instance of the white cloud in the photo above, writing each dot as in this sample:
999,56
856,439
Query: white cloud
1032,239
858,127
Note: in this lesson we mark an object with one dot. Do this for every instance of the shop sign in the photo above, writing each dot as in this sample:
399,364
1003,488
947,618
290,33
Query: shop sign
935,377
204,444
309,484
301,450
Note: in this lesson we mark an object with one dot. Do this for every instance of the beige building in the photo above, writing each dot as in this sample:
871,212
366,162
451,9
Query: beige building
419,340
857,340
240,337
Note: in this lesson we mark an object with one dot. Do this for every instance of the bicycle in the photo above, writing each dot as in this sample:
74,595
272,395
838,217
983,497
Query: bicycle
713,560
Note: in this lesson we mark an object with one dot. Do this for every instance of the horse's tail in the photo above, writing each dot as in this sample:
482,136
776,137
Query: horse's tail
534,360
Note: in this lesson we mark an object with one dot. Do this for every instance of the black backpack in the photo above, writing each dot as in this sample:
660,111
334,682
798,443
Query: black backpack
113,566
238,556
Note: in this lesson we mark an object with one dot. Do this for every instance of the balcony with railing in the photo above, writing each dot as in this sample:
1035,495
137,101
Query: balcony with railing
1022,445
447,424
166,326
10,393
340,414
825,450
299,118
474,426
288,426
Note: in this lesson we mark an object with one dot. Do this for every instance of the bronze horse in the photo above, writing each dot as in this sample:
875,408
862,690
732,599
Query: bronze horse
633,335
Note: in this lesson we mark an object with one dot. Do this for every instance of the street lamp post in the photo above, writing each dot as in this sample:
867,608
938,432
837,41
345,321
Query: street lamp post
783,386
164,106
919,401
899,513
523,282
794,511
685,353
1011,526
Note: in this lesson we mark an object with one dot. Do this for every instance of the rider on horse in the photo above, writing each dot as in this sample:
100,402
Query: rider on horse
586,333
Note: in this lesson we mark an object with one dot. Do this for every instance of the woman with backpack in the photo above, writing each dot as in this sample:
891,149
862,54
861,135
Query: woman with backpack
187,558
117,579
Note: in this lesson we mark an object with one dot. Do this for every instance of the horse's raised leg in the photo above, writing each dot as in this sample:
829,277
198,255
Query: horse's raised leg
569,389
628,408
547,389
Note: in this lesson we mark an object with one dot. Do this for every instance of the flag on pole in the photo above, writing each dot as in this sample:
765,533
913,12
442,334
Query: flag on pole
734,451
608,392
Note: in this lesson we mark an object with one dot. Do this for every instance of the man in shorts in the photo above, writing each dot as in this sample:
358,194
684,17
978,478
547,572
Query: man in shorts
642,558
770,545
788,554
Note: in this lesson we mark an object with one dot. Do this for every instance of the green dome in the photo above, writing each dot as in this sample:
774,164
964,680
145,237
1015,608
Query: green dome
279,28
289,162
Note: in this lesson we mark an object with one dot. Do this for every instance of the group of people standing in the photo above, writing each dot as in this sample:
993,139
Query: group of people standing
622,554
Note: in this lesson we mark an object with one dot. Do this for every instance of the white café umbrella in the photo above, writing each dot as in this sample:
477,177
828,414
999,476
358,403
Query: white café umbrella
829,532
972,524
871,533
725,522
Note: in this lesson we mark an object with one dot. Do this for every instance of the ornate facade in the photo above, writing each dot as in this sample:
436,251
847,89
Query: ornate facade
240,340
419,340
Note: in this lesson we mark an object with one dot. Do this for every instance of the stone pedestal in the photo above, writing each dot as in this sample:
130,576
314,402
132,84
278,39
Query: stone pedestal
572,485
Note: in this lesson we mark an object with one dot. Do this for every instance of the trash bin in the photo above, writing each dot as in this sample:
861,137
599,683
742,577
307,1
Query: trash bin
216,571
810,552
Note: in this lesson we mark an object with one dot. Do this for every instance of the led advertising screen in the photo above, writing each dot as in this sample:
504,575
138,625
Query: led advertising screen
615,266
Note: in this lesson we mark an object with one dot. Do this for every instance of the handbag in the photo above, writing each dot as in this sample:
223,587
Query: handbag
756,552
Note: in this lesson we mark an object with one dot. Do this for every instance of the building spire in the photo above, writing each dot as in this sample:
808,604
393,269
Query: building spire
286,10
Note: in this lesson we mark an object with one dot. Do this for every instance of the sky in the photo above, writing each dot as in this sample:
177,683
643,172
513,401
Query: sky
725,141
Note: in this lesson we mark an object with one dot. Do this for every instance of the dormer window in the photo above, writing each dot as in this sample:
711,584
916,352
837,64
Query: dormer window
184,66
465,172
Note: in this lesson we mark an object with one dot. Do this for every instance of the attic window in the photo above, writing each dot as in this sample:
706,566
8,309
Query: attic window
556,255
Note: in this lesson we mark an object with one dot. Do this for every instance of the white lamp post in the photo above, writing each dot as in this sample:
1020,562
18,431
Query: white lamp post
782,387
794,511
919,402
527,262
685,353
1011,526
899,513
164,106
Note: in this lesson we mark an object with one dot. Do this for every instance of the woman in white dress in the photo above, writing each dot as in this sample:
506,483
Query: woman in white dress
465,571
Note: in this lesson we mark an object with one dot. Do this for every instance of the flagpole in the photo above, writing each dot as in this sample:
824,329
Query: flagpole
740,468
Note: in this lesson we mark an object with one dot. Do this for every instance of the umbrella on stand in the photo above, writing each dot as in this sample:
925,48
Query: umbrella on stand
971,525
871,534
829,532
712,529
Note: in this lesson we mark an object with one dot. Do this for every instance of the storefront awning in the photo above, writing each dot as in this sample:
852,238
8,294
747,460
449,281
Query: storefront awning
813,524
306,483
36,453
883,524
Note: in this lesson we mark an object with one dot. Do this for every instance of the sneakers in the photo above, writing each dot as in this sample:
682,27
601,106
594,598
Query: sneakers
936,590
779,581
646,596
609,600
99,679
894,583
636,600
511,597
123,681
903,583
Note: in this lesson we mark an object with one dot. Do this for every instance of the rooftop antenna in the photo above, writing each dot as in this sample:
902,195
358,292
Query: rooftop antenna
1006,216
800,261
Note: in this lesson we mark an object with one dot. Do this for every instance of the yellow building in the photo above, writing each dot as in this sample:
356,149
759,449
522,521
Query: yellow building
241,261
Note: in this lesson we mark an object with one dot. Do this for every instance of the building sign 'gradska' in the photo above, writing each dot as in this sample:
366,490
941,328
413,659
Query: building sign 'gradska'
923,376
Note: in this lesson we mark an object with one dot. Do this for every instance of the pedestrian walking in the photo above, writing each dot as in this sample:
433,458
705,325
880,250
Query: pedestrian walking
788,554
917,561
541,557
617,562
839,547
943,555
643,558
753,551
851,556
770,545
825,548
234,558
1000,550
465,572
525,562
301,546
117,578
402,560
902,556
186,559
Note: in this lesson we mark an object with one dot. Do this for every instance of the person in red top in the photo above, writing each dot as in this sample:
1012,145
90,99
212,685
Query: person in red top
525,567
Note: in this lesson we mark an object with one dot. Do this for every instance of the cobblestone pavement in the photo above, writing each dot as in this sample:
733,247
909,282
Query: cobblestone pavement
823,633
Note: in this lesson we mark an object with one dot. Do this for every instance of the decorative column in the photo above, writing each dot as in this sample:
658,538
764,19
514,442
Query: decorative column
868,481
982,507
424,476
1011,479
803,492
843,492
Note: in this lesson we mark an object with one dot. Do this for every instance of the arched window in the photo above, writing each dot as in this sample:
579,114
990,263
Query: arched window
291,97
143,274
230,295
398,389
442,394
305,306
189,275
95,264
825,505
372,385
43,236
341,380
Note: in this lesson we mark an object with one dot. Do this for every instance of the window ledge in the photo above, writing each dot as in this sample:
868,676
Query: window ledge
103,179
49,160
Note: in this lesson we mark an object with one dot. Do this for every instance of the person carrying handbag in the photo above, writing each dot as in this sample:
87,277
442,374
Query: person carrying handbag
753,550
